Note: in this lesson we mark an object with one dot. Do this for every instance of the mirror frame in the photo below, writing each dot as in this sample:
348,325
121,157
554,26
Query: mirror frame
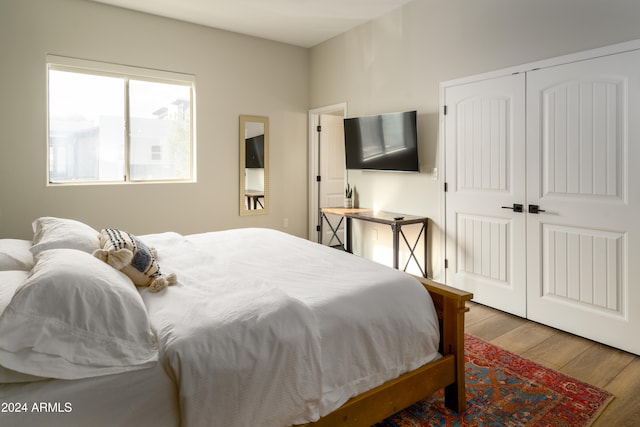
242,171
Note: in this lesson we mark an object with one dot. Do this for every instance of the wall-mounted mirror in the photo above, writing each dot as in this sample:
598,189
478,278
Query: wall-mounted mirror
254,165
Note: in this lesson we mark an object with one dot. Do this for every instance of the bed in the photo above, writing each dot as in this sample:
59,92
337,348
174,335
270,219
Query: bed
260,328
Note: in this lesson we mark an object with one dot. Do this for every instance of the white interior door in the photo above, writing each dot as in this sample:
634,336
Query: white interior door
332,172
317,155
583,150
485,171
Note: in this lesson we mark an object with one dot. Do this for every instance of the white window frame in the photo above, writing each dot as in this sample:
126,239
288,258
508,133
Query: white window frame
76,65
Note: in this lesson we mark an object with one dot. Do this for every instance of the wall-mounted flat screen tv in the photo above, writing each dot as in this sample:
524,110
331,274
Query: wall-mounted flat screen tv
255,152
387,142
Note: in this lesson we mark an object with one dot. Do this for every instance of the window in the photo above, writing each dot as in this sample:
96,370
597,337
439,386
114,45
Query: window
112,123
156,152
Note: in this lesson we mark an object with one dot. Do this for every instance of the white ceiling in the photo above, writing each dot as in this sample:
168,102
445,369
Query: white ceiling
298,22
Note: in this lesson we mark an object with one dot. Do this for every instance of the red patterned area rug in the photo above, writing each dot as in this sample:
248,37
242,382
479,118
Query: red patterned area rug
504,389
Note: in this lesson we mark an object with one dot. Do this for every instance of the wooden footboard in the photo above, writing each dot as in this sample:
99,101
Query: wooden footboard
451,306
448,372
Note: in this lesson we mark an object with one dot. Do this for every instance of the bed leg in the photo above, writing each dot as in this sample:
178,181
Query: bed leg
454,398
455,394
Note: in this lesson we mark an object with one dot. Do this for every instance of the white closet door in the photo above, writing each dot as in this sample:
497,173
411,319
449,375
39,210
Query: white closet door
583,170
485,171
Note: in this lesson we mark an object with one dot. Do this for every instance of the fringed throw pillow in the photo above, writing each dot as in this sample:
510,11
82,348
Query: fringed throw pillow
125,252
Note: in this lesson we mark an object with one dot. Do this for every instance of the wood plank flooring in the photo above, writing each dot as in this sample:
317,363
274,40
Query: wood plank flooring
608,368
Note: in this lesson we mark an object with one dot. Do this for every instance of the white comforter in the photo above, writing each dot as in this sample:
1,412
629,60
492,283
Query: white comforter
268,329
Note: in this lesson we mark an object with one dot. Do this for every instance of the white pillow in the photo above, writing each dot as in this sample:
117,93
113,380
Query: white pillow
10,280
57,233
15,255
75,317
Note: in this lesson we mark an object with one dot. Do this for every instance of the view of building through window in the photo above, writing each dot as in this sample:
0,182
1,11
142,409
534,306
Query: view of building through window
105,127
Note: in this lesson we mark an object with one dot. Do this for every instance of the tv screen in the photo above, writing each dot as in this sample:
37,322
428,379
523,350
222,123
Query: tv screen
254,152
386,142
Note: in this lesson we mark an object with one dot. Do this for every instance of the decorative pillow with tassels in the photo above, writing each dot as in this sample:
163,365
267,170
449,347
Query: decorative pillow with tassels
125,252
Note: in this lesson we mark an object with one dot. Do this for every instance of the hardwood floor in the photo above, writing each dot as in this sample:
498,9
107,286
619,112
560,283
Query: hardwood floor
608,368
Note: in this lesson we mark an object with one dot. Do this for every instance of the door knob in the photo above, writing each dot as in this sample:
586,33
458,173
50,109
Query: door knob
534,209
517,207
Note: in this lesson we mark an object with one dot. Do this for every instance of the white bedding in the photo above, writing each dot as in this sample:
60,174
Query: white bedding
316,326
142,398
262,328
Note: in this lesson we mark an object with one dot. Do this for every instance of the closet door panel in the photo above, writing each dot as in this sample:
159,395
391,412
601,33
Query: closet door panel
583,247
484,151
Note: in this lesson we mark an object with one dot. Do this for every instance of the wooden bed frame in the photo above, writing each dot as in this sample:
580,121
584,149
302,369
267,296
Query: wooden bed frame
448,372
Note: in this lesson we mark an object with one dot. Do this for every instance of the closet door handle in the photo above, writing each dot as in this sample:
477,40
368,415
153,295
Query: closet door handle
517,207
534,209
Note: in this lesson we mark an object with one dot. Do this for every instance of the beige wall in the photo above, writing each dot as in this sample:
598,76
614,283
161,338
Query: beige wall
397,62
234,75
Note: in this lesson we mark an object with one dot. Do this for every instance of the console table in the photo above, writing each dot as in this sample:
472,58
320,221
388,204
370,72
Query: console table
254,196
394,220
